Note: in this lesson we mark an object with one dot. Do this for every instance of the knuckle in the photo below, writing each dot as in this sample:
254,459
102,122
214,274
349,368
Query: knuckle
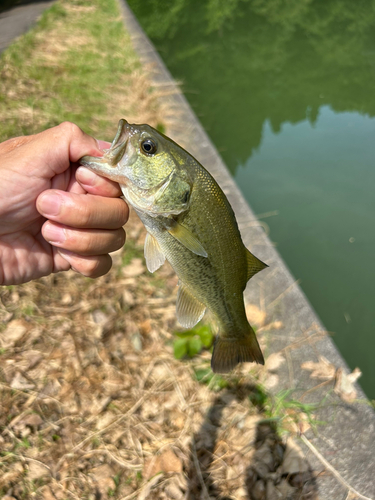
96,267
69,128
90,266
85,215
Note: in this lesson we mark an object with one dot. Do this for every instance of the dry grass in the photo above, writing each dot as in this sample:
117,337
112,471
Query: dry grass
93,402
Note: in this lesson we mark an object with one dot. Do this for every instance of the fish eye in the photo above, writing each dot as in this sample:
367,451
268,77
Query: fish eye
149,146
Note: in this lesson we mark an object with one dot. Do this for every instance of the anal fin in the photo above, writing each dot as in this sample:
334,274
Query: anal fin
188,309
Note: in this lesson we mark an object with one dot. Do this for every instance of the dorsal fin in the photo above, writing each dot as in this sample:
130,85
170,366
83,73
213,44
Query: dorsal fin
254,265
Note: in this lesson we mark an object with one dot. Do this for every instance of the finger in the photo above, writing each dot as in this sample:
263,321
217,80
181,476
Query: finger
82,210
63,145
83,241
95,184
90,266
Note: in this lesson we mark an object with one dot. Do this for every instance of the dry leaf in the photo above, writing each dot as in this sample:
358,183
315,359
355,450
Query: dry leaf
323,369
294,459
271,381
274,361
11,476
37,471
20,382
32,420
103,476
166,462
255,315
296,421
344,384
14,332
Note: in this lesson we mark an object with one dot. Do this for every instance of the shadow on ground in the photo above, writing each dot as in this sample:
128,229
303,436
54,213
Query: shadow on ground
277,470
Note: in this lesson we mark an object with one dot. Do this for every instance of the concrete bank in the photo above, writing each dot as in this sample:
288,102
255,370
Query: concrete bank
347,441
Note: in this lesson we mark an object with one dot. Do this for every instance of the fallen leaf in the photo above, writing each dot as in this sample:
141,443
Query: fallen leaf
11,476
271,381
166,462
32,420
103,476
344,384
294,459
20,382
255,315
274,361
14,332
323,369
296,421
37,471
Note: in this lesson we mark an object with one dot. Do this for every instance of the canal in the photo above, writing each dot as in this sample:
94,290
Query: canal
286,91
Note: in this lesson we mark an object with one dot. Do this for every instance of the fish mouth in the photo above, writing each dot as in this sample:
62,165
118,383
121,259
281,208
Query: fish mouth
113,155
119,143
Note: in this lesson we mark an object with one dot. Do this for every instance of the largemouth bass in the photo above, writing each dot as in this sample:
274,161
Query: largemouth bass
190,223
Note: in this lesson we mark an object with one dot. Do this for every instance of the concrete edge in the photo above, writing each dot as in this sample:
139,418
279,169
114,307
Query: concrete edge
347,440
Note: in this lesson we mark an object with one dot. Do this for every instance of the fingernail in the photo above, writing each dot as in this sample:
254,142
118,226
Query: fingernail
54,234
50,204
85,176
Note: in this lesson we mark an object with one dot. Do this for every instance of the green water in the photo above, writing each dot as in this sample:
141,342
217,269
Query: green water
286,91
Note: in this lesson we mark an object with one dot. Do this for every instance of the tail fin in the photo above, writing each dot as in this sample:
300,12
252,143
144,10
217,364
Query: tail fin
228,352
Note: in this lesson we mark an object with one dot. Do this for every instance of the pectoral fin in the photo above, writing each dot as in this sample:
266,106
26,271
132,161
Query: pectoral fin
186,238
254,265
153,254
188,309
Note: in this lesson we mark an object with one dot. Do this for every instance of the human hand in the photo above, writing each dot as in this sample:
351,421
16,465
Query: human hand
54,215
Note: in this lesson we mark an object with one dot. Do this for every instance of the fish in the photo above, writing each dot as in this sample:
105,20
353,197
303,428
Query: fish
191,224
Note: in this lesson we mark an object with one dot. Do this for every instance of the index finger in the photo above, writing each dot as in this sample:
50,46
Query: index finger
95,184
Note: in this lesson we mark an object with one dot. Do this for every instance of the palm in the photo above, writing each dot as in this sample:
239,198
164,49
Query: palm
24,253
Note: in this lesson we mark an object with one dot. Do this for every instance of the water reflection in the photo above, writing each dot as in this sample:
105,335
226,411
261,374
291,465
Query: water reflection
286,90
244,62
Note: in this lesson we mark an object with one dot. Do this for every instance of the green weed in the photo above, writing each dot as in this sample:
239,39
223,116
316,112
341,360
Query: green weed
191,342
214,382
290,413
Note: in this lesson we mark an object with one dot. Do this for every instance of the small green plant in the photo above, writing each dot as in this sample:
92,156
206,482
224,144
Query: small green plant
24,443
29,310
214,382
191,342
291,413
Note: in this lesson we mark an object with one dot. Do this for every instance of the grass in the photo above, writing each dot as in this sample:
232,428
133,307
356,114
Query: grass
77,64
